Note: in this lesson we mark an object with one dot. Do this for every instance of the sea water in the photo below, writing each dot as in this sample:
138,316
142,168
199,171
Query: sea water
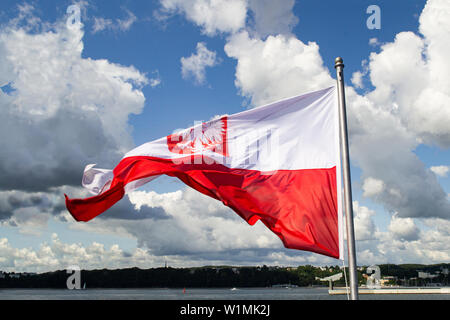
200,294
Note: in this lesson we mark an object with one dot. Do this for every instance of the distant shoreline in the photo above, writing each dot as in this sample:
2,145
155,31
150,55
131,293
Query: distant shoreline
221,277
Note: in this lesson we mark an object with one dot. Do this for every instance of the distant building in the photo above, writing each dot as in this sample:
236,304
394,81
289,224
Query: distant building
386,279
426,275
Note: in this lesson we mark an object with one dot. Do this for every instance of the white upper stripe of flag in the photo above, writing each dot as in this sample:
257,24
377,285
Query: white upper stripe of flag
292,134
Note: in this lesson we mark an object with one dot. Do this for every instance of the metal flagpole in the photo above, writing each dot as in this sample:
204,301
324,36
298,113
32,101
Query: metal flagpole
339,65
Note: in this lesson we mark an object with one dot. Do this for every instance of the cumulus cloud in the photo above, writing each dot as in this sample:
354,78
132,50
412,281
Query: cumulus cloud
383,148
59,255
101,24
374,42
213,16
195,65
441,171
229,16
279,67
404,228
357,79
372,187
403,242
155,80
62,110
409,73
197,224
364,226
406,108
427,247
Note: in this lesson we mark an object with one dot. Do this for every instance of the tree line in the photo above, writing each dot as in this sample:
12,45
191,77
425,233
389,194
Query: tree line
207,277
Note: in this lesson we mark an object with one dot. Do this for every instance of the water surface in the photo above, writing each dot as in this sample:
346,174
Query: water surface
200,294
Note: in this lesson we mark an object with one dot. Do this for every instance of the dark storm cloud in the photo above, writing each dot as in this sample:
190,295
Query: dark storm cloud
125,210
38,155
61,111
14,200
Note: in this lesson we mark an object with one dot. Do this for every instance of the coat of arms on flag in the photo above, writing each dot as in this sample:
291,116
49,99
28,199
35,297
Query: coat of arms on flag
205,136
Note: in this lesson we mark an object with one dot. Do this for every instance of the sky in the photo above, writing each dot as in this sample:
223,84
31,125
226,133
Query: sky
81,89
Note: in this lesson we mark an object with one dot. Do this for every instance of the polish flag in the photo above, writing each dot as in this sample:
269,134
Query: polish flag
278,163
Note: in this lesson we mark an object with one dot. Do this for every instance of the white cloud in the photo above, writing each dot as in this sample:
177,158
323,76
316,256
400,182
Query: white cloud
403,228
125,24
409,72
374,42
197,224
25,18
278,67
195,65
155,82
63,111
357,79
57,111
441,171
404,243
358,76
230,16
372,187
383,148
59,255
101,24
364,226
213,16
407,107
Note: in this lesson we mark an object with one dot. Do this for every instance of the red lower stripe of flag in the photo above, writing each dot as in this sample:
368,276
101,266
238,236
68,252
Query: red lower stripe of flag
300,206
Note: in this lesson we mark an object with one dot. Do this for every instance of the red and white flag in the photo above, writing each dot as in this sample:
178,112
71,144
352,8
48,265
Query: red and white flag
278,163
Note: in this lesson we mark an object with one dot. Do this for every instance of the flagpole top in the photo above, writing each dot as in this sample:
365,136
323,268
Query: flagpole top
339,62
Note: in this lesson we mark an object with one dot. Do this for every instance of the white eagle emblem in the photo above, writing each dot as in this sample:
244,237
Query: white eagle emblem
206,136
